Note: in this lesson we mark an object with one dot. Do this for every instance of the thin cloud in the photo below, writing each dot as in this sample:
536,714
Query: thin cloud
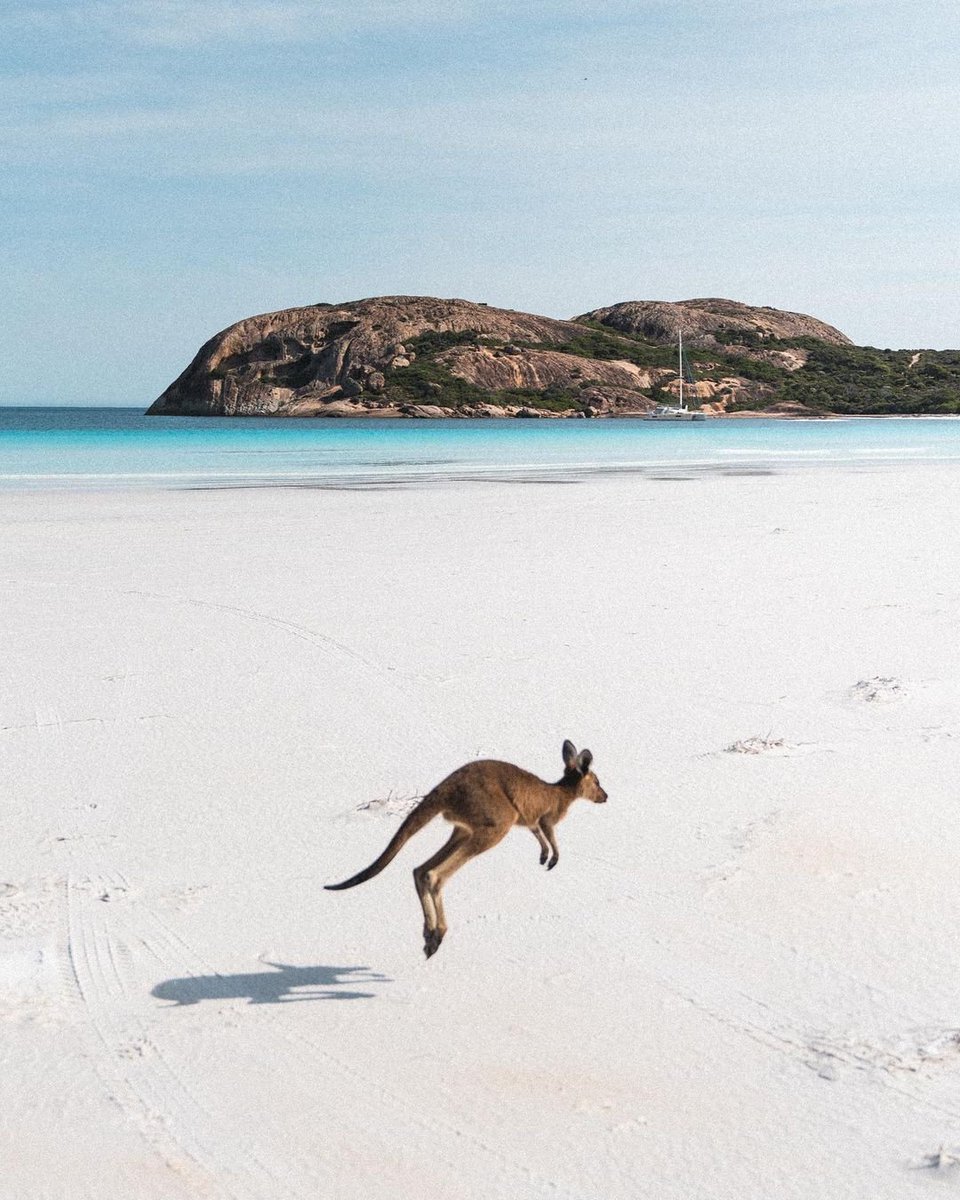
188,24
47,90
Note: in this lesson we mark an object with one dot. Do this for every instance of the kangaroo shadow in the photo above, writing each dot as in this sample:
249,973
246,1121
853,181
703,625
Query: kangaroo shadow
278,986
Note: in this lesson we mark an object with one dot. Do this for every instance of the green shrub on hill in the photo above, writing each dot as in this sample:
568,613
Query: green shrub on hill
427,381
601,344
850,380
861,380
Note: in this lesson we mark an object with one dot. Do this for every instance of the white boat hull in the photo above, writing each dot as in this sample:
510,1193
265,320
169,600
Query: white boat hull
674,414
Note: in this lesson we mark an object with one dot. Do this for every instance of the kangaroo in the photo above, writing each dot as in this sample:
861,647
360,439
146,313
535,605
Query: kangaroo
483,801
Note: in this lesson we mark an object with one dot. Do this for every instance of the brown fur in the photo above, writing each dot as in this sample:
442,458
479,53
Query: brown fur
483,801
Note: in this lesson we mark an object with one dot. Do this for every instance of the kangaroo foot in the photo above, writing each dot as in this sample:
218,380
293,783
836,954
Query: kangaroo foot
431,942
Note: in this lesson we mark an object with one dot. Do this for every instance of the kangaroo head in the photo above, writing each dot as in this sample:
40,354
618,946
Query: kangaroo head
576,772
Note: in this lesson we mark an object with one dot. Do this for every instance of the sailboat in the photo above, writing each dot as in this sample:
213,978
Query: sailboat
670,412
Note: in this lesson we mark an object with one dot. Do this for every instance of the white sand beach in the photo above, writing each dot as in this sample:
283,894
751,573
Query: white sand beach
740,982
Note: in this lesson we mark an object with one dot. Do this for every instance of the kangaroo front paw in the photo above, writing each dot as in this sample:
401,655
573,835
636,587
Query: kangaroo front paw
431,942
553,862
543,858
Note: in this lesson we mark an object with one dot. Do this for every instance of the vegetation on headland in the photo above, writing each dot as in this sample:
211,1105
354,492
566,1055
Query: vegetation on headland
601,344
860,380
428,381
848,380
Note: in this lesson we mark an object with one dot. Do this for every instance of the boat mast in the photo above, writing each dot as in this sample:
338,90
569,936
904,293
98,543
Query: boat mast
680,352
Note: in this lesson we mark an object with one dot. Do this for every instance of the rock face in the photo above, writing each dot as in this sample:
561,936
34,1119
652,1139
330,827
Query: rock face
419,356
711,322
538,370
298,361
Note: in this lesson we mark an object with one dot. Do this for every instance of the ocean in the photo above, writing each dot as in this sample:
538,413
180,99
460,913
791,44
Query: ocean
117,448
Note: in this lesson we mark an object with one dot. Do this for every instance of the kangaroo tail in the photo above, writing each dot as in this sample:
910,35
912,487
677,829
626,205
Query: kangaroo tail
425,811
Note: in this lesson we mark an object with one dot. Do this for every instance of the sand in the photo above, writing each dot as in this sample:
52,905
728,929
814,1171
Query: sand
740,980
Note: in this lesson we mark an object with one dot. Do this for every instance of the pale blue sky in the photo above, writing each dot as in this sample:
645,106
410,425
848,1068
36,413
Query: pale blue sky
169,166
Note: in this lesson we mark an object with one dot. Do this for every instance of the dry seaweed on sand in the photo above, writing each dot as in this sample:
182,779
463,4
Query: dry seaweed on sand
756,745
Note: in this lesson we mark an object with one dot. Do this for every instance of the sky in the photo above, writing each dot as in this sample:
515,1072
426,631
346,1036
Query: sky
168,167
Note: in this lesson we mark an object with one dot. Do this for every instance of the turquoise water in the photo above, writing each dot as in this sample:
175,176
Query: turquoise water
120,448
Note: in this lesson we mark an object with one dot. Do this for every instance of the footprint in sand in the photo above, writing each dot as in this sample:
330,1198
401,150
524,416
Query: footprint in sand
914,1052
185,898
25,906
880,689
945,1159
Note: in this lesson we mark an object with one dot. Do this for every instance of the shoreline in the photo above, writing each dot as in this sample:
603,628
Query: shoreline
393,414
562,475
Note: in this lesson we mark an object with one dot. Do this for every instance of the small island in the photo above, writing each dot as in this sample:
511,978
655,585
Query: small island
415,356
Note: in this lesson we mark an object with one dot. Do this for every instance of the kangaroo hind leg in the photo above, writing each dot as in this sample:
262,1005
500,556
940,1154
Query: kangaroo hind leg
451,860
422,880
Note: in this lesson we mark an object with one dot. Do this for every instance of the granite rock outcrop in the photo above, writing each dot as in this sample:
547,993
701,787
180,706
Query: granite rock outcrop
298,361
712,322
421,356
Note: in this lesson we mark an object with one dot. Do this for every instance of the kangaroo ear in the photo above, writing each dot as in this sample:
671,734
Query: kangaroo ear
584,759
569,753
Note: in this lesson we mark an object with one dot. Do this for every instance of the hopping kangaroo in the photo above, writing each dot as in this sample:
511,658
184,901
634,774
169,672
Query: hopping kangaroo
483,801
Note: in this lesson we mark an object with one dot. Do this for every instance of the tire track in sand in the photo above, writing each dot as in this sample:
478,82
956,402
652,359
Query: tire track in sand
151,1090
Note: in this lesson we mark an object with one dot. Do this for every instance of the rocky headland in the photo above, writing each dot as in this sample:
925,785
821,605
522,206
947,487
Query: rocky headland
415,356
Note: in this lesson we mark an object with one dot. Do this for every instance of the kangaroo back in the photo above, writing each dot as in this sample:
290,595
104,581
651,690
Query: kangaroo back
425,811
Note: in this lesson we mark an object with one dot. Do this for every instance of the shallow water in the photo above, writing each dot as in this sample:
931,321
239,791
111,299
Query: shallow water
121,448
